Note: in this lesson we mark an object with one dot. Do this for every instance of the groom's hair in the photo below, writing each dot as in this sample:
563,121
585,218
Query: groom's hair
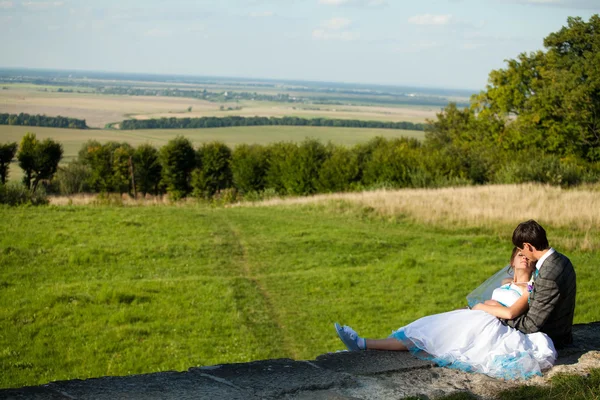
530,232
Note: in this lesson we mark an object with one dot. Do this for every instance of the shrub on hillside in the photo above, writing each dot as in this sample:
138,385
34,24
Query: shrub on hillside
147,169
14,194
108,165
178,160
548,169
300,169
392,162
73,178
249,168
7,153
38,159
340,171
213,173
278,156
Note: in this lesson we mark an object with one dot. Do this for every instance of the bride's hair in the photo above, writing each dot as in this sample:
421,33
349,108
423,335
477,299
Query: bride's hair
511,269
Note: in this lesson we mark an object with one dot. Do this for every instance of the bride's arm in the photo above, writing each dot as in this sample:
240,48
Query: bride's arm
519,307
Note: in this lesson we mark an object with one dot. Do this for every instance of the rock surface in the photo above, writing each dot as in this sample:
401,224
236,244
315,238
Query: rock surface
334,376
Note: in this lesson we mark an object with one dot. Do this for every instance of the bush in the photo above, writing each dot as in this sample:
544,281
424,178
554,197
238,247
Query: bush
108,165
178,160
74,178
278,155
547,169
300,169
39,160
213,173
14,194
249,168
340,171
392,162
147,169
7,153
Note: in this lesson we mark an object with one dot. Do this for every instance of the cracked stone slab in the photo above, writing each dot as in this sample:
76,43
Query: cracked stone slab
276,378
32,393
162,385
320,395
585,339
370,362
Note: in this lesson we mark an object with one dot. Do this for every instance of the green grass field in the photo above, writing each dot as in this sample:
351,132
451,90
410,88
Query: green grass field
94,291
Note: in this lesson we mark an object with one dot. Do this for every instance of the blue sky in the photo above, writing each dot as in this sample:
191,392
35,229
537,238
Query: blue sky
434,43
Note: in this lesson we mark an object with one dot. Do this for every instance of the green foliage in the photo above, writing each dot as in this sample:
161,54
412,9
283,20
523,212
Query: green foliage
392,163
541,168
214,172
249,168
108,164
278,159
340,170
555,95
147,169
39,160
300,171
178,160
42,120
222,122
73,178
15,194
122,160
26,157
7,153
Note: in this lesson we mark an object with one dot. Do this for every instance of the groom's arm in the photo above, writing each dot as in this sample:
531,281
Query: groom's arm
544,299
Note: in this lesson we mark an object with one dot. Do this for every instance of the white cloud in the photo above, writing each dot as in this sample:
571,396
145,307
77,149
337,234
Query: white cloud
430,19
6,4
261,14
158,33
336,23
41,5
324,34
356,3
471,45
196,28
334,29
417,46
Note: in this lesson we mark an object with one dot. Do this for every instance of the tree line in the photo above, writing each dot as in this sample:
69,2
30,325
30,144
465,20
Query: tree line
42,120
213,169
221,122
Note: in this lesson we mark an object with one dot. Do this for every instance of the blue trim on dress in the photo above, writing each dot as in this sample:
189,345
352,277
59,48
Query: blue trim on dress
503,366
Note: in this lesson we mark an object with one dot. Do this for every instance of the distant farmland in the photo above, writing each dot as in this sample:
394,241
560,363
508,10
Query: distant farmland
99,110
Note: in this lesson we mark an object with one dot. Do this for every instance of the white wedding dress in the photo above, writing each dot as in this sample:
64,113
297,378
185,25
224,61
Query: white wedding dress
473,340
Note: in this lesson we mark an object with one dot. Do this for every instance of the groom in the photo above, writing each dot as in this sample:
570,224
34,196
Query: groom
552,301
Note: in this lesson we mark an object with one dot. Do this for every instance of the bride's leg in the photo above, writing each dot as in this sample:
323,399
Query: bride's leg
385,344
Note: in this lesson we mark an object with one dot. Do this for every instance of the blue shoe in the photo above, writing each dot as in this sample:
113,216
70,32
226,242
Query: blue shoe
348,336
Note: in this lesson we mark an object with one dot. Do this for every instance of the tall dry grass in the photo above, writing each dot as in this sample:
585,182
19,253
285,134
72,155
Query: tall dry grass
113,199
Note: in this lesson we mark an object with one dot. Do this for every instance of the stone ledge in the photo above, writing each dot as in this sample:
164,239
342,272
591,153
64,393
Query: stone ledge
343,375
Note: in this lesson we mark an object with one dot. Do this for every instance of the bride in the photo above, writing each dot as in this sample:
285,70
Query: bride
474,340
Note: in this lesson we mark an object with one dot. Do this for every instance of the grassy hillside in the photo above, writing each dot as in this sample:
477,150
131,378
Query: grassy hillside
93,291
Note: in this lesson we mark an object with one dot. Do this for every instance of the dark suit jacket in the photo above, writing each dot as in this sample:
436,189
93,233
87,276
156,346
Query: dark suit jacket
552,302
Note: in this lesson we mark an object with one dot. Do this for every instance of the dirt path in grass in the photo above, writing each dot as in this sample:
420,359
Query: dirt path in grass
240,253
